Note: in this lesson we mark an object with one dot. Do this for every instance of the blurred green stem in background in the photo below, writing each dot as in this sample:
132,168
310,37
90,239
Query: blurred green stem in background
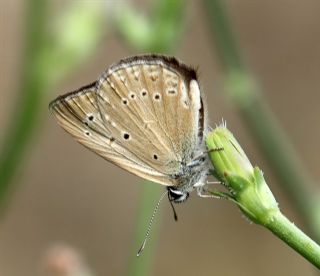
157,33
30,94
275,145
48,58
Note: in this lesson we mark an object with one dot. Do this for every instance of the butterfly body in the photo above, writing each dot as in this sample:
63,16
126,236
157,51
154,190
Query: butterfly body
146,115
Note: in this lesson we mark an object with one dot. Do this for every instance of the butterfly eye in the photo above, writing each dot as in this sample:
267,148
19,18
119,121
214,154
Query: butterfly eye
90,118
126,136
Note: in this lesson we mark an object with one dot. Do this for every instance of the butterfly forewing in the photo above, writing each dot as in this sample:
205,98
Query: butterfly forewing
144,114
78,113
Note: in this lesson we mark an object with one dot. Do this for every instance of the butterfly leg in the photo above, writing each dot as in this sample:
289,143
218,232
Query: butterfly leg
214,183
203,192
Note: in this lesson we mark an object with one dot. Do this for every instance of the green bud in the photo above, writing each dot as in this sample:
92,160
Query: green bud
230,158
245,182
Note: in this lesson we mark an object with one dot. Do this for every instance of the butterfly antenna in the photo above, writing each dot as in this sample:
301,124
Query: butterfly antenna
150,224
173,209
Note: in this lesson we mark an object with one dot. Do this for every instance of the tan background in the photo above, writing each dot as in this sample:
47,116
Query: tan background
67,194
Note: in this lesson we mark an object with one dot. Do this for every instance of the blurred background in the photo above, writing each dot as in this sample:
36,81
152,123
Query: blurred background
67,212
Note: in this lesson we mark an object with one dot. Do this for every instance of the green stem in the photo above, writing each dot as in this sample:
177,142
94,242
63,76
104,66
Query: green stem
30,97
279,225
225,41
272,141
49,55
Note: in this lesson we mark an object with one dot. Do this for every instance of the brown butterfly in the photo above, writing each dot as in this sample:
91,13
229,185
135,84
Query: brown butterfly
146,115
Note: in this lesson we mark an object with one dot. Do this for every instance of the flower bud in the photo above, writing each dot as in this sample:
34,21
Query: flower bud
246,183
227,155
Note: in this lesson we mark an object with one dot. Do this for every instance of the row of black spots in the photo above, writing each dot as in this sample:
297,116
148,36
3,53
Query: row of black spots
156,96
131,96
144,94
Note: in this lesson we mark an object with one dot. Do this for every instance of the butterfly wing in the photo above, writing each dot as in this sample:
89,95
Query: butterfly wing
145,114
156,102
78,113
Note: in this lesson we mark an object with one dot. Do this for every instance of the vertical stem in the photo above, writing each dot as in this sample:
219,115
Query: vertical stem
29,97
220,25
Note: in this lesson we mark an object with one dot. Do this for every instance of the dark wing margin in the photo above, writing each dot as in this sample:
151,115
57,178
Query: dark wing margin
188,72
92,86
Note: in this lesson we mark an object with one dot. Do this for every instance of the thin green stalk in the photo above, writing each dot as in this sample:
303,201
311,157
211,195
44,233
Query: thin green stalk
155,33
29,99
272,141
49,56
287,231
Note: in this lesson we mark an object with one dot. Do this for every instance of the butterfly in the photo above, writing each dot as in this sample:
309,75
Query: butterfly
146,115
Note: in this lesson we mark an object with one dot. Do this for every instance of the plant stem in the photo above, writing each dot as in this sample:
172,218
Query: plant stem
29,99
287,231
272,141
